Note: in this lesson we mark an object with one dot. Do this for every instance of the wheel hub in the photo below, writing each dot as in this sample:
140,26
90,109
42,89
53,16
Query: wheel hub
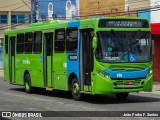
27,85
76,88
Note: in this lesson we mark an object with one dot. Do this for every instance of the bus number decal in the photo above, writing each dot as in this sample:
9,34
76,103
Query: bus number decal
26,61
119,75
73,57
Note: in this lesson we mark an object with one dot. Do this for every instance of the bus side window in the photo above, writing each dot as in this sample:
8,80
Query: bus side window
28,42
6,44
72,39
20,43
59,45
37,47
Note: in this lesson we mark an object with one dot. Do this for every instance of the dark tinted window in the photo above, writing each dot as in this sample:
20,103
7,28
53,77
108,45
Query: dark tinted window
20,43
123,46
3,19
37,42
59,44
72,39
18,18
6,44
48,37
12,45
28,42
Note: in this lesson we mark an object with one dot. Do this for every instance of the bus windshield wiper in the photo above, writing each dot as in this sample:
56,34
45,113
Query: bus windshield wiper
134,39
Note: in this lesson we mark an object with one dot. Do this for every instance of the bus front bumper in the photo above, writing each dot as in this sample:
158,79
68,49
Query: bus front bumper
101,85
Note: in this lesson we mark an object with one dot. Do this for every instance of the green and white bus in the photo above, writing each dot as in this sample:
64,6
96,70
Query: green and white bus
110,55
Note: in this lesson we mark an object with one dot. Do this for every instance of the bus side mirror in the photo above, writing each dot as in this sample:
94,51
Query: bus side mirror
94,43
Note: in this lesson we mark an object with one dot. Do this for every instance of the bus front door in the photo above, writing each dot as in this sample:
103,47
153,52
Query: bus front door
12,59
86,58
47,61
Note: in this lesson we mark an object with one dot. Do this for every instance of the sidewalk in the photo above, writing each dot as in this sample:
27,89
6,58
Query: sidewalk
1,73
156,86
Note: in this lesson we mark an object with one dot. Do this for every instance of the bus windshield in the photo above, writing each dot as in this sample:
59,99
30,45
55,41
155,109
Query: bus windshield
123,46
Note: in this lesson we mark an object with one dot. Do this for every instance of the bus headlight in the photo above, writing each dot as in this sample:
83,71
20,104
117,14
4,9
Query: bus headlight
106,75
149,73
100,72
103,74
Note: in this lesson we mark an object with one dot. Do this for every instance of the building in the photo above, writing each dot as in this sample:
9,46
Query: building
55,9
139,7
13,14
155,29
137,4
89,8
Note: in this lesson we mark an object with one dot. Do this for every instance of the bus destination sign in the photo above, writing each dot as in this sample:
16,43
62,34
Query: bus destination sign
123,23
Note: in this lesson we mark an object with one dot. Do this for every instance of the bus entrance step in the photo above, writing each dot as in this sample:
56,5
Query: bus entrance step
86,92
49,89
13,83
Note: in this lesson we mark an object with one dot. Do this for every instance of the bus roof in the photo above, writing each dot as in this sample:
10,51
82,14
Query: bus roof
57,22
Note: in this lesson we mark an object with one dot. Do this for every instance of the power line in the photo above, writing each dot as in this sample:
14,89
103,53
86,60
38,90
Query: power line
6,27
121,13
10,26
120,6
104,6
26,4
12,4
20,6
98,12
63,0
15,25
81,9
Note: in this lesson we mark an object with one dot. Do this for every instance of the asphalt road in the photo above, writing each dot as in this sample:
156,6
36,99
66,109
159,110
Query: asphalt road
14,98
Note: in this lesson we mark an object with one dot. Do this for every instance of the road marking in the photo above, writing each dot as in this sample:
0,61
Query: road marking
39,99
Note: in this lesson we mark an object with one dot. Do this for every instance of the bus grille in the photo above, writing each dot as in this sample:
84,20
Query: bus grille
121,88
121,82
133,67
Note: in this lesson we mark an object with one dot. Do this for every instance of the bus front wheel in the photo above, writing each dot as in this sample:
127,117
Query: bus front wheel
122,96
75,89
27,82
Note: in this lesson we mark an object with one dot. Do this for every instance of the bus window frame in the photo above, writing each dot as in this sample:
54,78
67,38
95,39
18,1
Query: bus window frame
28,42
34,42
6,44
63,41
71,28
20,43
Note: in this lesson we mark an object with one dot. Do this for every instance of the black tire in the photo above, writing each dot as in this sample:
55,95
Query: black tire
122,96
76,95
27,83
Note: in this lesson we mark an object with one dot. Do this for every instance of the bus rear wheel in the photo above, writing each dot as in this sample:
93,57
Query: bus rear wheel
27,83
75,89
122,96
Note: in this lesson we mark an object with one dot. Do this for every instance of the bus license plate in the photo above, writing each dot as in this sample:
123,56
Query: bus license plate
129,83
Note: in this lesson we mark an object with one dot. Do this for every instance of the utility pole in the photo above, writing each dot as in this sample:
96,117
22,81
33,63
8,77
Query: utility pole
128,10
35,10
